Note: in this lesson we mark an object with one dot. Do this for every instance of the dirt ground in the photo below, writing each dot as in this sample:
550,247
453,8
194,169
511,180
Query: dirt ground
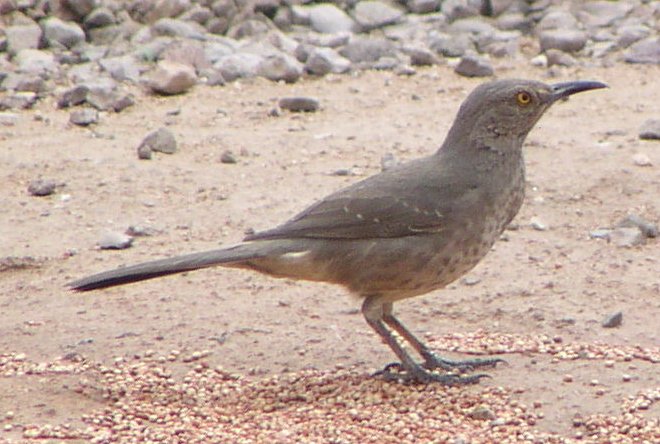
557,283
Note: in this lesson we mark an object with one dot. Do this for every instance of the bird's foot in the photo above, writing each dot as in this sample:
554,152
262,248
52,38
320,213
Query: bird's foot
432,362
419,375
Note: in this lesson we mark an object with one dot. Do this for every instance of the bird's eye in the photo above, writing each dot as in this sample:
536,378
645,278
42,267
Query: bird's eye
523,98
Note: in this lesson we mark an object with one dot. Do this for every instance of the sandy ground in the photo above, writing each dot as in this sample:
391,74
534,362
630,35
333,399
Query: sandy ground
556,283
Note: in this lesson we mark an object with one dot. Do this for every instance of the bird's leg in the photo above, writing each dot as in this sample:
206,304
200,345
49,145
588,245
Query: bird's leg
372,309
431,360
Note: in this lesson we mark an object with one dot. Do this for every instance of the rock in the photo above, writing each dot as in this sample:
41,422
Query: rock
423,6
538,224
328,18
18,100
84,116
162,140
144,152
627,236
299,104
613,320
178,28
474,66
81,7
627,35
73,96
650,130
372,14
248,28
457,9
99,18
601,233
22,37
557,57
187,52
482,413
563,39
603,13
172,78
557,19
325,60
235,66
515,21
647,228
198,14
35,61
228,157
115,241
8,119
451,45
642,160
280,66
420,56
151,10
644,51
58,32
368,49
24,82
123,68
42,187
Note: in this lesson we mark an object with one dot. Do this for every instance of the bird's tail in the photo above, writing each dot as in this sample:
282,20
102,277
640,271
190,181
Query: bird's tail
149,270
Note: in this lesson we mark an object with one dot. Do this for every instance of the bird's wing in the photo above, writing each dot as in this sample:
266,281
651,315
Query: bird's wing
388,205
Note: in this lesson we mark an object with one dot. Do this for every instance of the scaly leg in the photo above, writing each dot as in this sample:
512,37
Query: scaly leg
431,360
372,309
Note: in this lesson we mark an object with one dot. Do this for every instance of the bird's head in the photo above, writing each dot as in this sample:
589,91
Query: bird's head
503,112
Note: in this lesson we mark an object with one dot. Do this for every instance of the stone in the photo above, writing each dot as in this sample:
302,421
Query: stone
326,60
18,100
84,116
647,228
15,81
172,78
601,13
123,68
613,320
162,140
367,49
42,187
73,96
240,65
178,28
557,19
650,130
228,157
280,66
198,14
8,119
642,160
328,18
474,66
563,39
187,52
115,241
35,61
627,35
99,18
299,104
420,55
644,51
423,6
372,14
22,37
59,32
451,45
457,9
627,236
561,58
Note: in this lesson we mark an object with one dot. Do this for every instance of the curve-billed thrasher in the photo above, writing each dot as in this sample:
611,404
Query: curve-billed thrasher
406,231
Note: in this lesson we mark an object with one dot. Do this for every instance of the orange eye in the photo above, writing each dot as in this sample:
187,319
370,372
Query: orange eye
523,98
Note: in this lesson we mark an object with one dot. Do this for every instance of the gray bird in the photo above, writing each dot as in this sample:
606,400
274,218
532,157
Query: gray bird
404,232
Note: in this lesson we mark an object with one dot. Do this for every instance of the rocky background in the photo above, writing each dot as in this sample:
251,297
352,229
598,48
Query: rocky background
86,51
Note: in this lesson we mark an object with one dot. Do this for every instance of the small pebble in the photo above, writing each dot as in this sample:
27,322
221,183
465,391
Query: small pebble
642,160
115,241
228,157
299,104
626,377
567,378
84,116
42,187
613,320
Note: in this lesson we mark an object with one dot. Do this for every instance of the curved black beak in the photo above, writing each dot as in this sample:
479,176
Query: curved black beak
565,89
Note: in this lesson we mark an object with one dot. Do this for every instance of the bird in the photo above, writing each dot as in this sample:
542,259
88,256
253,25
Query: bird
403,232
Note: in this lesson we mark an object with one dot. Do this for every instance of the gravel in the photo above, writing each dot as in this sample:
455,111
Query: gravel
145,402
